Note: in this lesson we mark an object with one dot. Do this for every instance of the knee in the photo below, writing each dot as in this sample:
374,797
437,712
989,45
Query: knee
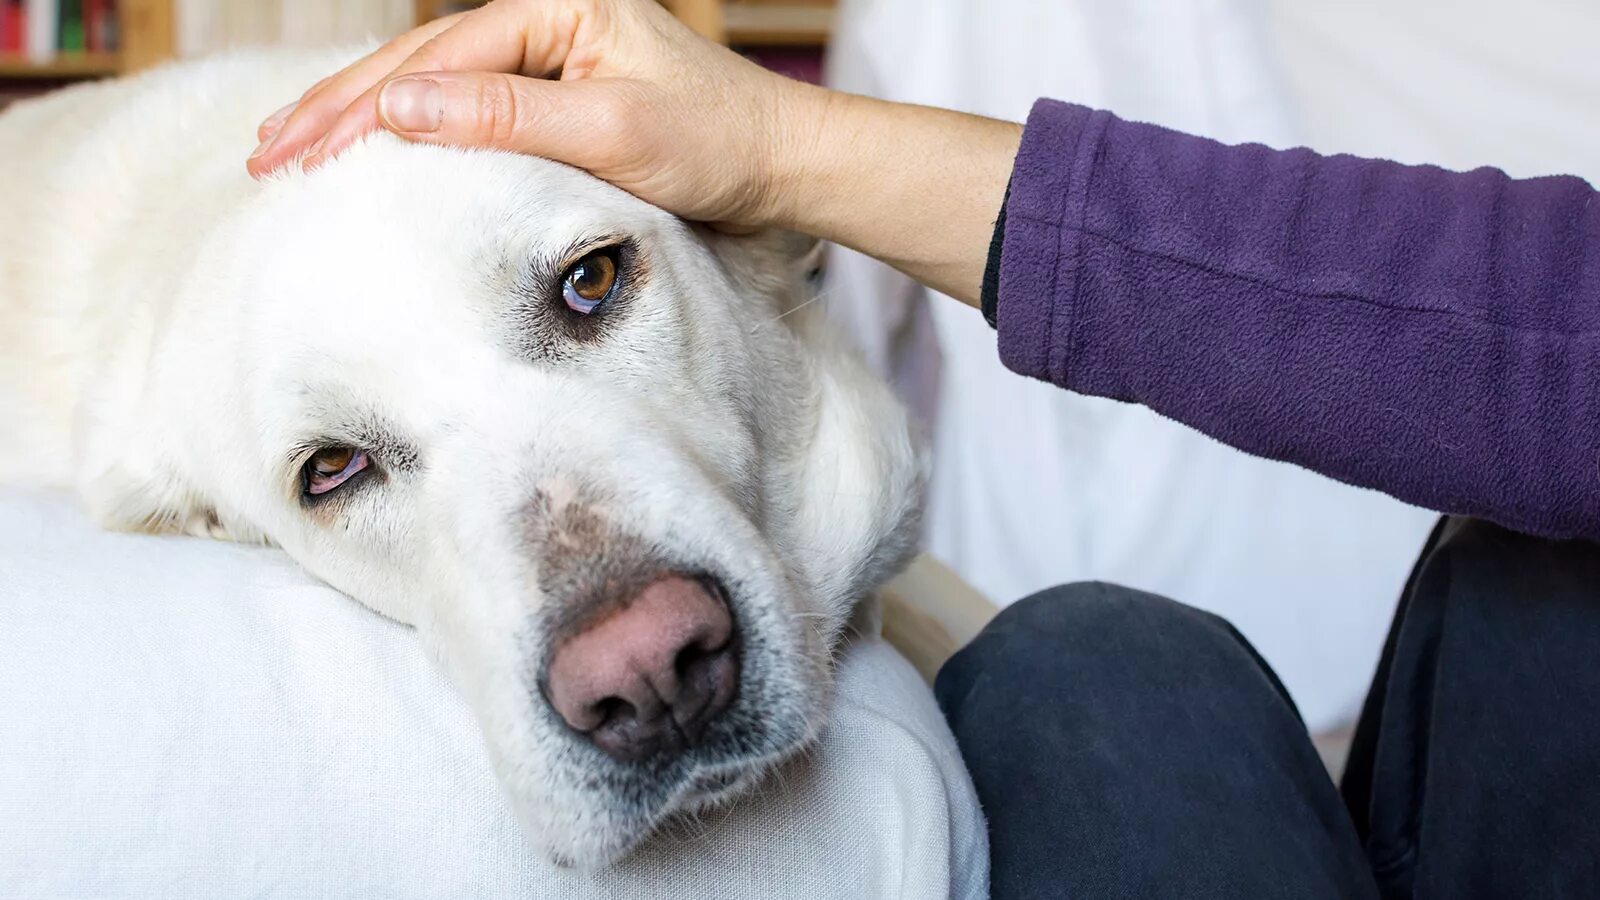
1083,615
1075,632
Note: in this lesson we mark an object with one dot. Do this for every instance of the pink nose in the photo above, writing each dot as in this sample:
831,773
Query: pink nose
649,678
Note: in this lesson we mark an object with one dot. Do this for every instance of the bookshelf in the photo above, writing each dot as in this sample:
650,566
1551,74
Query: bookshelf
65,66
741,23
145,28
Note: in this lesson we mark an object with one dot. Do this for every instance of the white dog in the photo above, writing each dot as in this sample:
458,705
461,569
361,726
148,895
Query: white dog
627,499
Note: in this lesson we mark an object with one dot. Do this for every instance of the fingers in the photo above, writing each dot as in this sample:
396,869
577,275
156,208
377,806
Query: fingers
272,124
534,37
290,129
530,37
581,123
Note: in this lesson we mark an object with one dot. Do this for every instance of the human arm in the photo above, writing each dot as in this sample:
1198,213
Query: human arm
642,102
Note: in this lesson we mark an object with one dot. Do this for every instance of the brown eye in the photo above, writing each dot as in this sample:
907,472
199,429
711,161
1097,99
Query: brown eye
331,467
590,281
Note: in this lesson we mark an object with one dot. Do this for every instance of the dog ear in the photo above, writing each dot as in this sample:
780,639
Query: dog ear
772,263
854,476
767,245
858,487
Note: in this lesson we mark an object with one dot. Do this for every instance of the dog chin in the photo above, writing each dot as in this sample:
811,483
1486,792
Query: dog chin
721,785
706,790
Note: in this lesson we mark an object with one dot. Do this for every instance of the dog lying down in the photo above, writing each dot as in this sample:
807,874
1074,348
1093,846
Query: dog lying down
628,491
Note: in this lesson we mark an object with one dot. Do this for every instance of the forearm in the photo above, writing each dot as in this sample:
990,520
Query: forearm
917,187
1432,334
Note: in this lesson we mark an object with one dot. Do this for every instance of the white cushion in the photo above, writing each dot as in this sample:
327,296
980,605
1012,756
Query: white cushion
183,718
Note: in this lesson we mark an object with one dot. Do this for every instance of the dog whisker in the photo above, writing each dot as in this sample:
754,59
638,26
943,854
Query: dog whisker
797,307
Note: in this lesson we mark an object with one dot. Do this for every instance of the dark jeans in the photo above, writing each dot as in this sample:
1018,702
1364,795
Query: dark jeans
1124,745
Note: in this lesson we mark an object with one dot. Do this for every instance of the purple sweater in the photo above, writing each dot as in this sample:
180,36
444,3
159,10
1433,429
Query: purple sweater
1431,334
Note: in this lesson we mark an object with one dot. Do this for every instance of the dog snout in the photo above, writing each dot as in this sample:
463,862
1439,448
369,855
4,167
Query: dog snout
646,679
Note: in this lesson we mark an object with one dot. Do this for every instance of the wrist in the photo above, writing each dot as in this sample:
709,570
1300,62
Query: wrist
917,187
802,170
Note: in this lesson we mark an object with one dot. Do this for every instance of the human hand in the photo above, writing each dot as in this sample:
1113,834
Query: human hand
617,87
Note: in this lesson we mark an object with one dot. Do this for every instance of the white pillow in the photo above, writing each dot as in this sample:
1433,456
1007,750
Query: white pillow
183,718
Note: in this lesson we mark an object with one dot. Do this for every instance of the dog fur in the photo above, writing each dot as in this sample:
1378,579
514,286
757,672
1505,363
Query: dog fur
175,338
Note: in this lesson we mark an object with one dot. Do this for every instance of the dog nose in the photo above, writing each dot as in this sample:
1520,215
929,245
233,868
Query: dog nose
649,678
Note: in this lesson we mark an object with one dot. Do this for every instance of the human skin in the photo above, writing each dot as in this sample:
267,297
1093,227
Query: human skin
625,91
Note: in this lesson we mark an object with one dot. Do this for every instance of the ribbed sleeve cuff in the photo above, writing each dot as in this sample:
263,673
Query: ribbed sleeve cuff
1040,248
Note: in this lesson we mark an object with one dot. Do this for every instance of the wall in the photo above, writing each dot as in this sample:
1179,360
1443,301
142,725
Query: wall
1458,83
207,26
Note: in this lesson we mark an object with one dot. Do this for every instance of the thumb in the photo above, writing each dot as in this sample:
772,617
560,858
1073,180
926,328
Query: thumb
559,120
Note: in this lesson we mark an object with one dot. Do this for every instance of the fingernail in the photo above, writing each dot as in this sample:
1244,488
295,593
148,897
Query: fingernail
412,104
313,157
271,124
265,145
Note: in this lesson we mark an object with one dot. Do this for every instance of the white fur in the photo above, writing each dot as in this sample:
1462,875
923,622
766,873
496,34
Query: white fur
170,331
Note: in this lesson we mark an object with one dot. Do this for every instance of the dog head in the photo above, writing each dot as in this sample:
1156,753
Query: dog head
626,490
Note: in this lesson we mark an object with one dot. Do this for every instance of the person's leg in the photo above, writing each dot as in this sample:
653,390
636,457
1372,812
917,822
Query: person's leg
1124,745
1475,770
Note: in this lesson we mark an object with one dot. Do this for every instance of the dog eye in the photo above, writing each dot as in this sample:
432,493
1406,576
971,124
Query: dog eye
590,281
331,467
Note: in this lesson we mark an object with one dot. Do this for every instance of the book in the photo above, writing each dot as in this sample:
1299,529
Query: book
43,18
93,38
110,25
100,26
70,37
12,27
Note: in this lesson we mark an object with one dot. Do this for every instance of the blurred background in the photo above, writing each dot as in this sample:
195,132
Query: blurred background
1046,487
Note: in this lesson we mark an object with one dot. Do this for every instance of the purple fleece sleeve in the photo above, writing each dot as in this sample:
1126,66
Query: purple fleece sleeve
1431,334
